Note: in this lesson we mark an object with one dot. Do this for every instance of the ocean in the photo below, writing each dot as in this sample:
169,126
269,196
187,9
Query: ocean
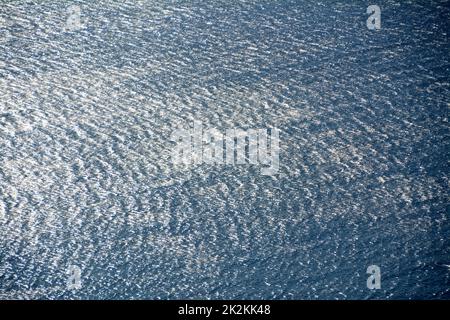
92,205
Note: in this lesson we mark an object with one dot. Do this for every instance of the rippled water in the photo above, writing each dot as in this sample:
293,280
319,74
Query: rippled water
86,177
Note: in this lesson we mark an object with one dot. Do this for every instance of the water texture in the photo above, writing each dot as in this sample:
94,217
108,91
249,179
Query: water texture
87,180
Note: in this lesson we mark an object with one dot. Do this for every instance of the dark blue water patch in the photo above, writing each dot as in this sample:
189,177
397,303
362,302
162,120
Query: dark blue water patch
363,162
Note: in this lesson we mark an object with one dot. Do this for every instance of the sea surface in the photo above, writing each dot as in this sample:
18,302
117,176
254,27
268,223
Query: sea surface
88,187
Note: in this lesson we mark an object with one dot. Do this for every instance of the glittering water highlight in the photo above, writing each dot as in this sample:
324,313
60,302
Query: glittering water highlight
86,177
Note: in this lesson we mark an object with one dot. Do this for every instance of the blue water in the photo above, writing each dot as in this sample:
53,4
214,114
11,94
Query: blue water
86,177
